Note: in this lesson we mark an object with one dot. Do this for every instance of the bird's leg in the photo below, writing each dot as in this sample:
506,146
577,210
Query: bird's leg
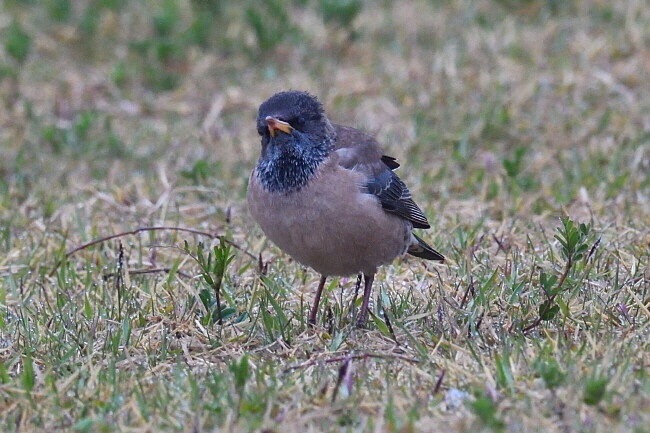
367,291
314,307
354,298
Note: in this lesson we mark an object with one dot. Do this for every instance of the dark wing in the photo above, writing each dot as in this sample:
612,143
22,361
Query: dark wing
359,151
390,162
424,251
395,198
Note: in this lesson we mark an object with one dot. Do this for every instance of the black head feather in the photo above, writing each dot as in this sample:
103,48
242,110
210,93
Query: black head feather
288,160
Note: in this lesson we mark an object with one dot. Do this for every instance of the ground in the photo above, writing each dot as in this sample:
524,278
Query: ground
523,131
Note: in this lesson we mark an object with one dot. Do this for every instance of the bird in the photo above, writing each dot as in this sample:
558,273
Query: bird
327,196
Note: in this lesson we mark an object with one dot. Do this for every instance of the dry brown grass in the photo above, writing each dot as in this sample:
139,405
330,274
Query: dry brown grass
456,90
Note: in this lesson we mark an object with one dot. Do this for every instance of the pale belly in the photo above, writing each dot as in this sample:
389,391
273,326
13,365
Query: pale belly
330,225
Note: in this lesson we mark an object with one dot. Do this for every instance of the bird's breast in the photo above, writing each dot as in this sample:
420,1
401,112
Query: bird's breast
328,223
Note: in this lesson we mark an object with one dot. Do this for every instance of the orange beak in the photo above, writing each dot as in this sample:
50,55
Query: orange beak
275,125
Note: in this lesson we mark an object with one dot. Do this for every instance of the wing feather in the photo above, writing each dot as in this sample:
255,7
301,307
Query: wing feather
359,151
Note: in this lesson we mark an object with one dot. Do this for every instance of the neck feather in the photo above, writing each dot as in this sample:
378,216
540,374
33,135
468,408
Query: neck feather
289,169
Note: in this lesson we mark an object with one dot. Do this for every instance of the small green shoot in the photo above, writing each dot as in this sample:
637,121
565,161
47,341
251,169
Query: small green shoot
486,411
595,389
574,241
340,12
214,266
550,372
17,42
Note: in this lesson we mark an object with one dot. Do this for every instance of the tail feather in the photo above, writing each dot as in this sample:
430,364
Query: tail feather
424,251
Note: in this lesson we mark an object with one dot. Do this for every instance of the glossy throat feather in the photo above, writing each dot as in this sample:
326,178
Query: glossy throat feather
289,161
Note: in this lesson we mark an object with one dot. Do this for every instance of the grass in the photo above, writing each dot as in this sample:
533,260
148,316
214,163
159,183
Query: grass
523,131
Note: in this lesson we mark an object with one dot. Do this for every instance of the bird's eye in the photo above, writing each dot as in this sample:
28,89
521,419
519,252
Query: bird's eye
299,122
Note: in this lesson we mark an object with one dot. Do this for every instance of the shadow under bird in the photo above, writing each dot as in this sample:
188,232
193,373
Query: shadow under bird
326,195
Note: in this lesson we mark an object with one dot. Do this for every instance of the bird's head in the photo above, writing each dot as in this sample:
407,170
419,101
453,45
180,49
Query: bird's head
294,121
296,138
